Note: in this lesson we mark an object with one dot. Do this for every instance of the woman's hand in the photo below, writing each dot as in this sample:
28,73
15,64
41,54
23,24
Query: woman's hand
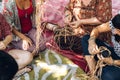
116,31
27,42
108,60
92,47
2,45
74,24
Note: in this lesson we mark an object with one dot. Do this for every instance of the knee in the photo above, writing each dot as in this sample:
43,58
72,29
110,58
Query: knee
29,57
23,57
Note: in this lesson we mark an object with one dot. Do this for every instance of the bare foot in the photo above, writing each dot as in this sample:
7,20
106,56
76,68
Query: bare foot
22,72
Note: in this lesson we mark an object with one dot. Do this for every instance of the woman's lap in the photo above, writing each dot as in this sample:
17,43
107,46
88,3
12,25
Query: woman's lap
32,35
111,73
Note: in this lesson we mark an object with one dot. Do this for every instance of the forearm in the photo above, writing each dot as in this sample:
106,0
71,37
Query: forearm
7,39
17,33
100,29
90,21
94,34
116,62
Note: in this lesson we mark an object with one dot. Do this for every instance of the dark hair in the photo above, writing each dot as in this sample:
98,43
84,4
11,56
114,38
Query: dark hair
116,21
8,66
116,24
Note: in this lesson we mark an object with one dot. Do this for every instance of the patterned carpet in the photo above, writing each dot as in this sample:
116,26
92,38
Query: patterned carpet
52,66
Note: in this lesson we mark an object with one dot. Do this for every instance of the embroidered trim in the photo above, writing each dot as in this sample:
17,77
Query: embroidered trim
115,43
111,26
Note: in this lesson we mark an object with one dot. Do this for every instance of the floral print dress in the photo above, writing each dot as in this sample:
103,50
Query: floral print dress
10,12
101,9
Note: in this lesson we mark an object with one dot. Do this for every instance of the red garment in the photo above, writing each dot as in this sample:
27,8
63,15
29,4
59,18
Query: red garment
5,29
78,59
25,19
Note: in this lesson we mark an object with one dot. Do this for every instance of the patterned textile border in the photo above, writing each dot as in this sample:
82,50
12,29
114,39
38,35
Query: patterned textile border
52,66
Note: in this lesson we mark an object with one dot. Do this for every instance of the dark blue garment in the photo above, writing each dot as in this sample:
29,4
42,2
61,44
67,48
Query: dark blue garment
111,73
108,72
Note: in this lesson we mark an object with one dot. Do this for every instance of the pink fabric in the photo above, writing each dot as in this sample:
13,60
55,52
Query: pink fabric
74,57
115,7
53,11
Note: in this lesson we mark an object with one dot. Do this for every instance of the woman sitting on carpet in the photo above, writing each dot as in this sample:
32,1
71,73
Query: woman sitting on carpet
21,16
87,15
91,47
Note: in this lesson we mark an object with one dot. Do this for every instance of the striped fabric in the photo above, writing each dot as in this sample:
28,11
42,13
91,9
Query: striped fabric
52,66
